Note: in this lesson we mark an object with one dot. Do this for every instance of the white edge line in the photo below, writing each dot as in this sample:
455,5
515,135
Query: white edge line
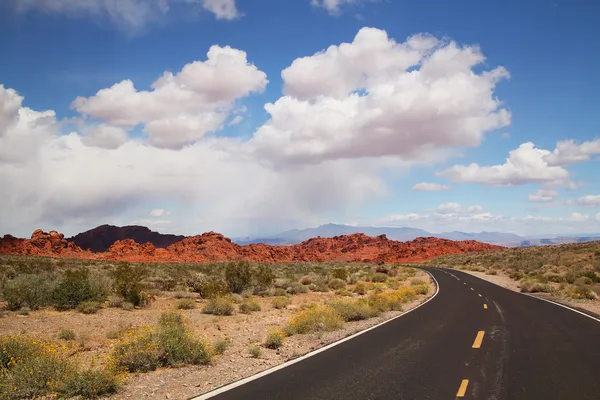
307,355
536,297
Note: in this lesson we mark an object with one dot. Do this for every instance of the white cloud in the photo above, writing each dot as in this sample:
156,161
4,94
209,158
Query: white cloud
403,217
523,165
106,136
589,200
129,15
159,212
222,9
543,195
430,187
236,120
333,7
375,97
183,107
569,152
449,208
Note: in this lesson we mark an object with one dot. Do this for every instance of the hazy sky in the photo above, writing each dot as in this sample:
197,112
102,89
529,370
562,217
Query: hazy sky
249,117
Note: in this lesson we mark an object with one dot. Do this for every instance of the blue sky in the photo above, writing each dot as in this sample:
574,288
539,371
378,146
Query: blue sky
349,134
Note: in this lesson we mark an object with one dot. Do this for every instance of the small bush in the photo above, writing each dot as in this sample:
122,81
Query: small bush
184,295
262,277
274,339
138,352
307,280
33,291
315,319
280,302
255,351
337,284
343,292
583,280
248,306
237,298
417,282
128,283
319,287
218,306
528,286
360,288
221,345
90,384
74,289
115,301
89,307
186,304
379,277
339,273
278,292
127,306
354,310
209,286
392,301
67,334
296,288
581,292
238,276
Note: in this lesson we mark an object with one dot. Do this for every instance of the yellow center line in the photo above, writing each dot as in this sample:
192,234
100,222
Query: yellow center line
472,289
485,306
478,339
463,388
479,294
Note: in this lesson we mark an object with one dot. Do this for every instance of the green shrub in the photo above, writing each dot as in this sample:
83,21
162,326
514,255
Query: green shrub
248,306
336,283
581,292
90,384
262,277
255,351
89,307
421,289
354,310
115,301
379,277
209,286
296,288
274,339
280,302
583,280
316,318
127,306
417,282
138,352
186,304
218,306
34,291
278,292
528,286
319,287
360,288
67,334
238,276
128,283
339,273
74,289
221,345
343,292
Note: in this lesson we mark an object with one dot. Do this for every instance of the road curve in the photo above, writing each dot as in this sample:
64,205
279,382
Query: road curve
474,340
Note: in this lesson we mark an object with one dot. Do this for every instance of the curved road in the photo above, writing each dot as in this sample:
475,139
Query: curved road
474,340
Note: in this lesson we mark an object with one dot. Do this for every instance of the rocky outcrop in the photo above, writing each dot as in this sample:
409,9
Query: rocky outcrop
214,247
101,238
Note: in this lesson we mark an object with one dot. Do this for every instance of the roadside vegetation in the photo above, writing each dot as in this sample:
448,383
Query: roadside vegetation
569,271
301,298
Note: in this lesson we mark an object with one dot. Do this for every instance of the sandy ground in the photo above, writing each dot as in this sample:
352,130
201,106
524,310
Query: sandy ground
506,282
244,331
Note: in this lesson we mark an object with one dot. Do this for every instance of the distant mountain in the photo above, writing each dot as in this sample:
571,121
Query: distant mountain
101,238
406,234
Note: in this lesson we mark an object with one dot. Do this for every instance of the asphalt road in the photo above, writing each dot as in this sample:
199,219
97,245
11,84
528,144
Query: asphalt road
474,340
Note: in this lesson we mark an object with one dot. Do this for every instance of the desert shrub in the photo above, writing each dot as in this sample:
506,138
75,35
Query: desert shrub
209,286
184,295
583,280
307,280
354,310
280,302
343,292
391,301
491,272
581,292
185,304
592,276
218,306
571,277
74,289
337,283
90,384
262,277
421,289
417,281
238,276
360,288
67,334
274,339
314,319
137,352
34,291
319,287
556,278
529,286
115,301
278,292
89,307
296,288
237,298
339,273
255,351
127,306
379,277
221,345
128,283
248,306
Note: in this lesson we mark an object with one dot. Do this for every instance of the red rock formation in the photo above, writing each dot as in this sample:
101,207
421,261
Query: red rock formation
214,247
102,237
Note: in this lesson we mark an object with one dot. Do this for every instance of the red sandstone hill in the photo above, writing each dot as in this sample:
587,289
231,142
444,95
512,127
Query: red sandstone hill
214,247
102,237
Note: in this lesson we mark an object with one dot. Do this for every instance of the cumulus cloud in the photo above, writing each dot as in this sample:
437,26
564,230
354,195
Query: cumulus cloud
430,187
376,97
524,165
106,136
129,15
589,200
448,208
333,7
181,108
568,152
543,195
159,212
236,120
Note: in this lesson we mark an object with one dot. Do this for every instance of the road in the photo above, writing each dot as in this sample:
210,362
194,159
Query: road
474,340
